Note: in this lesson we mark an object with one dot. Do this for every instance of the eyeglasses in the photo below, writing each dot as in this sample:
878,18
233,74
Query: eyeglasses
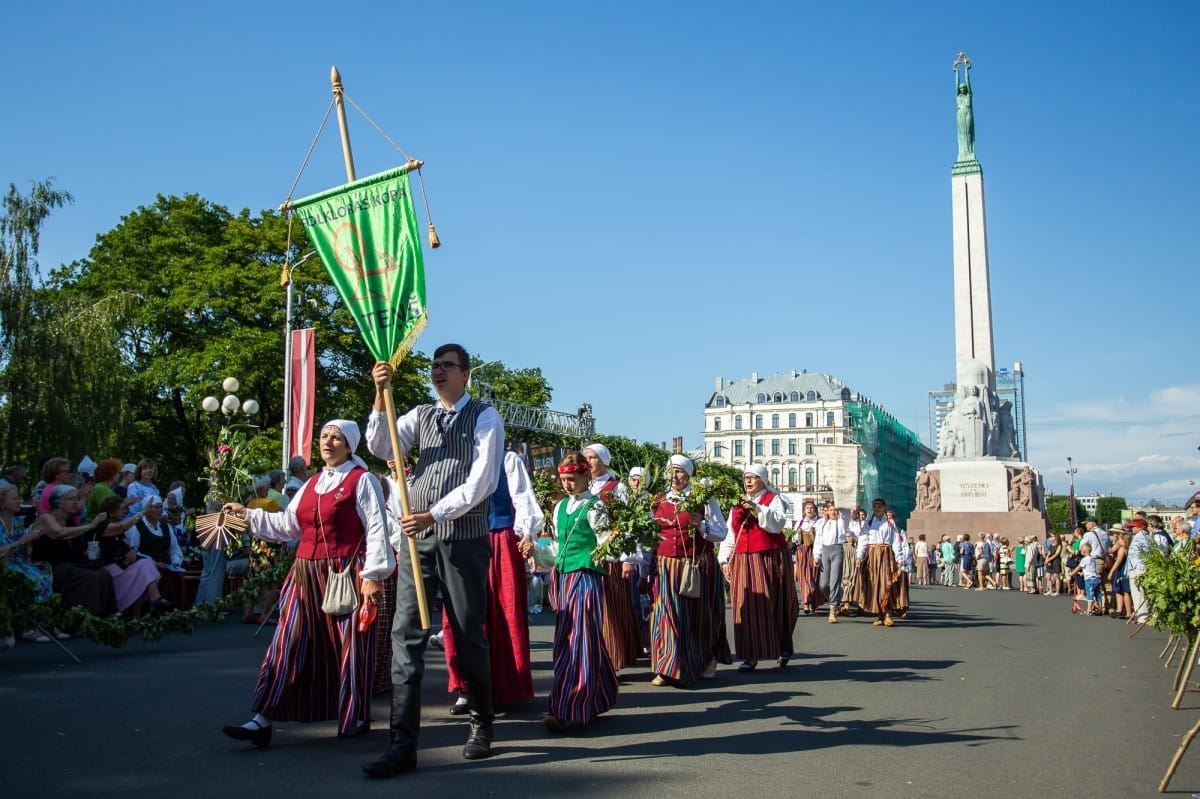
442,366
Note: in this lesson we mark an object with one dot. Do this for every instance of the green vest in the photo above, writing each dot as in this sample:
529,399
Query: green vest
576,539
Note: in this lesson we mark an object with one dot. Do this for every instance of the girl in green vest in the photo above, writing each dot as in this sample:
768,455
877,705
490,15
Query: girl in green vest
585,684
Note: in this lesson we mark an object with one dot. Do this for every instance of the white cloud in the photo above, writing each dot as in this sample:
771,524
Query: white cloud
1136,447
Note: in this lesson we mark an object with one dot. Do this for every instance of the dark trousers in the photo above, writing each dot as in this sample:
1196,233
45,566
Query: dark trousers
460,570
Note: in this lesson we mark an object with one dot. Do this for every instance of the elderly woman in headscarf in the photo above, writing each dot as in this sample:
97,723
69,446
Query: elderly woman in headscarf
320,667
687,633
754,558
620,576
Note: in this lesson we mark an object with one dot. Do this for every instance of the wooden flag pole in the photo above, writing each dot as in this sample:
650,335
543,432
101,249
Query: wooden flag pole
335,78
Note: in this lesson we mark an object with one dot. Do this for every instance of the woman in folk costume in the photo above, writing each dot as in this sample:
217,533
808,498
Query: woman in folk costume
585,684
687,635
905,546
879,564
514,518
620,576
321,667
754,558
807,571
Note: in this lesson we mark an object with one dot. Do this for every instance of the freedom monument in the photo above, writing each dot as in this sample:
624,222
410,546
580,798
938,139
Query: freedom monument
979,481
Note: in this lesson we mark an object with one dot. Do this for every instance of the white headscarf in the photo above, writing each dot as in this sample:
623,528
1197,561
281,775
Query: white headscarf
352,435
759,471
601,452
684,463
637,471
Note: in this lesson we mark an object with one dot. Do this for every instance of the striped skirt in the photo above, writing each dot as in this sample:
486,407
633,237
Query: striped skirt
875,591
585,684
764,604
687,634
808,577
506,626
386,600
849,573
318,667
620,621
901,605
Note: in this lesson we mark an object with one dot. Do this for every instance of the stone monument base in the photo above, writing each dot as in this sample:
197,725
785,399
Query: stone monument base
1010,524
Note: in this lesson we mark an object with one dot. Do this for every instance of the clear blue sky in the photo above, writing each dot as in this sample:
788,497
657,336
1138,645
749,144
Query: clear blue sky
649,195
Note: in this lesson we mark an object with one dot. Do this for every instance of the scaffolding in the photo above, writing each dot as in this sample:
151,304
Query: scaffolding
580,425
888,459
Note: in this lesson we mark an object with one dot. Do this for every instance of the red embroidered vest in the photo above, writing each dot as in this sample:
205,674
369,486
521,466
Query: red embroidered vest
676,541
335,513
749,537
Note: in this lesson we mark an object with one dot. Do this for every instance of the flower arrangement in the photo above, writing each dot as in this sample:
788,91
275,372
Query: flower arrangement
227,476
631,522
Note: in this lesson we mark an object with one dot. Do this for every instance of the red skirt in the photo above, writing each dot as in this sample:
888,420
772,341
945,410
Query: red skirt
764,605
506,626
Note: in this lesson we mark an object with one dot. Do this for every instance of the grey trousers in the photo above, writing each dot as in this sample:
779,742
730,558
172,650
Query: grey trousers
830,580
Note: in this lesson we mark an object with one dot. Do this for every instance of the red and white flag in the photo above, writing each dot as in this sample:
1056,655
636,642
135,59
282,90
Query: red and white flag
304,392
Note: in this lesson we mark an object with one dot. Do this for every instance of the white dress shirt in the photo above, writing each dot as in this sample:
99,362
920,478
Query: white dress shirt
528,519
487,451
828,533
878,530
284,526
771,518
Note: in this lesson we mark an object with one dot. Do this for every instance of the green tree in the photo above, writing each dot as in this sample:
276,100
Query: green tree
21,220
1108,511
1058,512
523,386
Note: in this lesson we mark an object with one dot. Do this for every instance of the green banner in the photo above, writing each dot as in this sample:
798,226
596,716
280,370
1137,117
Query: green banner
366,234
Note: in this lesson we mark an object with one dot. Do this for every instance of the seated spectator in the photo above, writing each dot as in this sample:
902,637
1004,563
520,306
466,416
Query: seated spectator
262,496
106,474
276,479
13,475
297,475
176,515
55,471
143,486
135,579
121,489
14,542
66,545
153,538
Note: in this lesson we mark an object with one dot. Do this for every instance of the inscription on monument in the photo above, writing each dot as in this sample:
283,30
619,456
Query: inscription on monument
974,488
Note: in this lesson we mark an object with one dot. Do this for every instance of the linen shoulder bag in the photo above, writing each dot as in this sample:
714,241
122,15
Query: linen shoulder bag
341,594
689,575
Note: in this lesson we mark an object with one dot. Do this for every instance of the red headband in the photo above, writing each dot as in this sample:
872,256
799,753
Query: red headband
573,468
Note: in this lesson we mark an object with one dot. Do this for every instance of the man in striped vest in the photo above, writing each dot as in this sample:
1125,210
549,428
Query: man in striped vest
461,443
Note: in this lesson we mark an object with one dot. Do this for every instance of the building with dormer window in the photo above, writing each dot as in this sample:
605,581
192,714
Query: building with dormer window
816,437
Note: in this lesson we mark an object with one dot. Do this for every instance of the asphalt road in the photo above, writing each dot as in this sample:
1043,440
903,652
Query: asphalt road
976,695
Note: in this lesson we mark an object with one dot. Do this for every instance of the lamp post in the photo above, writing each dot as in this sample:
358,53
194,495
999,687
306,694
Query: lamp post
230,403
1071,470
285,279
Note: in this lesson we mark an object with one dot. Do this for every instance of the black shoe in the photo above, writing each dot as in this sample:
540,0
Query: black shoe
479,743
748,665
396,760
161,605
460,707
259,736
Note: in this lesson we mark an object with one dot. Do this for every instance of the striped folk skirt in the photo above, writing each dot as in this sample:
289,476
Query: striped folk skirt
849,573
620,621
808,578
764,604
687,634
506,626
585,684
318,667
902,584
875,592
386,600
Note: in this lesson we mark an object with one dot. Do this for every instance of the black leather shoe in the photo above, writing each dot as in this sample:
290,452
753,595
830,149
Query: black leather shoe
260,737
479,743
396,760
460,707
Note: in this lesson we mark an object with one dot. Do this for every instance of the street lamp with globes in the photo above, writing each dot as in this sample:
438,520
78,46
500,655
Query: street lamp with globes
230,403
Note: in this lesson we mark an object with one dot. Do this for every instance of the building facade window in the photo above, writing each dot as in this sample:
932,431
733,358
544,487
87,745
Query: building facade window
828,439
792,446
808,420
775,476
774,420
762,398
791,479
716,424
774,446
810,476
718,450
737,422
791,420
720,403
758,447
795,396
812,396
808,446
758,421
738,450
829,418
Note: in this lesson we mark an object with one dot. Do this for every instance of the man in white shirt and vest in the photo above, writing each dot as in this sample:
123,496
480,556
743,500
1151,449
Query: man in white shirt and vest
461,442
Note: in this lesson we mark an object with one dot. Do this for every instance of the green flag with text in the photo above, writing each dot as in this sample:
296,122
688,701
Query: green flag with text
366,234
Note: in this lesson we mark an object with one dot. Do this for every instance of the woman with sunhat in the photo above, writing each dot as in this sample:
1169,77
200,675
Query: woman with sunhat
320,667
687,635
754,558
